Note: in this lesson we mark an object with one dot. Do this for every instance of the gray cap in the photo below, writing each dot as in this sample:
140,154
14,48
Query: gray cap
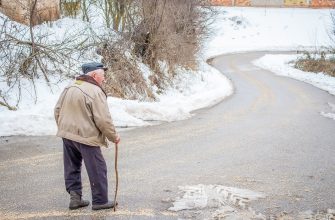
88,67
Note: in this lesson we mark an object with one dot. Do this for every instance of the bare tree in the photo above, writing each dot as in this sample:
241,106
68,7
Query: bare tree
26,55
115,12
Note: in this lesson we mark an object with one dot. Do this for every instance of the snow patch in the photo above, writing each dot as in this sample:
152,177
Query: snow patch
217,202
329,114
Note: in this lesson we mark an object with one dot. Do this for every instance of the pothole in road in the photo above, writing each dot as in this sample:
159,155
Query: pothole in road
217,202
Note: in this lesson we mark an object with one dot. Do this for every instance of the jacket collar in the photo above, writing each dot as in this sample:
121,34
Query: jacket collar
91,80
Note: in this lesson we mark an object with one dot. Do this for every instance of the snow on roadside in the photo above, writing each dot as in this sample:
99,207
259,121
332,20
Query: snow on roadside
30,118
190,91
280,65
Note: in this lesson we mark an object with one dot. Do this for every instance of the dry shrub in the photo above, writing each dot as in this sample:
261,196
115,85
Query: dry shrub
71,8
124,79
316,66
310,63
170,31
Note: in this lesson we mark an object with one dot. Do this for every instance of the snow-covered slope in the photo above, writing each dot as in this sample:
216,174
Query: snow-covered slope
250,29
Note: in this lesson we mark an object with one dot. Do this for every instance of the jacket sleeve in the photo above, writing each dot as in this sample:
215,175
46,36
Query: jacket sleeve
102,117
59,105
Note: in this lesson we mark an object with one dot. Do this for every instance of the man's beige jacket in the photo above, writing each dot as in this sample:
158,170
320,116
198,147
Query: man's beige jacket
82,115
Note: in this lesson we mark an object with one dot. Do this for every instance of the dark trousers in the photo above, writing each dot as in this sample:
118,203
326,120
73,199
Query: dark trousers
95,164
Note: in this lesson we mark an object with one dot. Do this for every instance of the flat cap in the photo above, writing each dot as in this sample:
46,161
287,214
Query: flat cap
88,67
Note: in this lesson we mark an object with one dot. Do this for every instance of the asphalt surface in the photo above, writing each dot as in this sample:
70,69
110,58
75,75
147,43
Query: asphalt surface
268,137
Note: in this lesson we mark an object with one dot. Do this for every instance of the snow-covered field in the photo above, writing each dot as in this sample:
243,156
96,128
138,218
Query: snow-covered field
235,30
277,29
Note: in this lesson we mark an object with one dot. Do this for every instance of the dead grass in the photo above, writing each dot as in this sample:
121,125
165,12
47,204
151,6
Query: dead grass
326,66
123,78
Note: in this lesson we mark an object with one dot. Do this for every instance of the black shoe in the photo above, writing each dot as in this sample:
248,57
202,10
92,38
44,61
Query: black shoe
108,205
76,202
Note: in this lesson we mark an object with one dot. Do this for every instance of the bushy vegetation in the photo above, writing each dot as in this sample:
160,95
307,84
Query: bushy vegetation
153,32
317,62
321,60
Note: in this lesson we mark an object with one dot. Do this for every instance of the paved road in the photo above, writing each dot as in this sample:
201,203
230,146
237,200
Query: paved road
268,137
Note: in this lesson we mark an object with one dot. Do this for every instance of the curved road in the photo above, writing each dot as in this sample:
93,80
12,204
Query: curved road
268,137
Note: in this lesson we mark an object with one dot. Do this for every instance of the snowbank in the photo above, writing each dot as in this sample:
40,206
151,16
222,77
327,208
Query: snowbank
190,91
280,65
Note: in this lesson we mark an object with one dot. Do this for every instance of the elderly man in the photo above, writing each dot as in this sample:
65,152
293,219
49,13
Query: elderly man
84,123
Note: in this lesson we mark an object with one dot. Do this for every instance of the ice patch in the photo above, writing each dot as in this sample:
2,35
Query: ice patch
217,202
329,114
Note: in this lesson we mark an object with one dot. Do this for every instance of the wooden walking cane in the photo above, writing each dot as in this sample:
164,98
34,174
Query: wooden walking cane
116,176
